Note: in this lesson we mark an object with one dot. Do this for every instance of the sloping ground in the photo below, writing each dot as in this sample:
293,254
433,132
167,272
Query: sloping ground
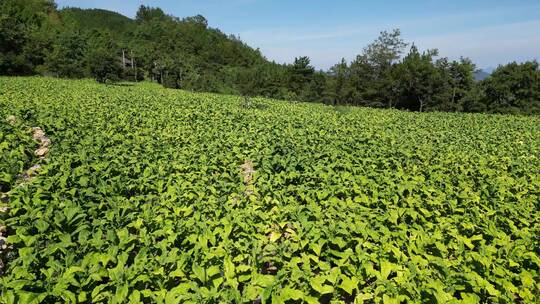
158,195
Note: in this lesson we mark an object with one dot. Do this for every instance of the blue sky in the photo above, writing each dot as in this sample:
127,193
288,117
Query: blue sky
489,32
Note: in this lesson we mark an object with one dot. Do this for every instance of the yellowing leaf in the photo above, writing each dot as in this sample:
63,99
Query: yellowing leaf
386,269
319,284
274,236
349,284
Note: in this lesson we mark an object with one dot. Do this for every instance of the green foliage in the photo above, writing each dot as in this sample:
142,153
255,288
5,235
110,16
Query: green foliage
419,80
513,88
149,14
103,62
23,34
380,77
338,89
142,199
301,75
370,74
97,19
16,152
67,58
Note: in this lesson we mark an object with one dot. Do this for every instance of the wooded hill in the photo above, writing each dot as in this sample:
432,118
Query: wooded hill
98,19
185,53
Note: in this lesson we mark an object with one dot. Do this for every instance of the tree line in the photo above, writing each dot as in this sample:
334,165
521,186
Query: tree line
37,38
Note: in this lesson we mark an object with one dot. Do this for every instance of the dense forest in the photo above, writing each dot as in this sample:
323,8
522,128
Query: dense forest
38,38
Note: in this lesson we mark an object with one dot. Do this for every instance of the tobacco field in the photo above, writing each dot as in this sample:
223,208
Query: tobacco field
152,195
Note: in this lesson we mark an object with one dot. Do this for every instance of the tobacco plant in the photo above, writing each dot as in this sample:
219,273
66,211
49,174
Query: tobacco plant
150,195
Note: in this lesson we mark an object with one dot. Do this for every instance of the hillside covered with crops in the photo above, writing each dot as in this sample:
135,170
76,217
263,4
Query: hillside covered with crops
140,194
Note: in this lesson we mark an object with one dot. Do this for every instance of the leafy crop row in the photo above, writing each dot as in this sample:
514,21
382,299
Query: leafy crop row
144,198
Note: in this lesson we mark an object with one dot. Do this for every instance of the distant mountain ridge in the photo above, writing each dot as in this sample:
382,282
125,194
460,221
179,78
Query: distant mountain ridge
480,75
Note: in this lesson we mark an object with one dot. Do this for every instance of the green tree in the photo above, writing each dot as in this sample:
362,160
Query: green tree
383,52
474,100
371,71
337,84
419,80
461,81
67,58
301,74
22,43
456,79
102,58
198,20
513,88
147,14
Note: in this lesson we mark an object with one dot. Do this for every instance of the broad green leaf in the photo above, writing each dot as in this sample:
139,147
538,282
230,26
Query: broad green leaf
319,284
349,284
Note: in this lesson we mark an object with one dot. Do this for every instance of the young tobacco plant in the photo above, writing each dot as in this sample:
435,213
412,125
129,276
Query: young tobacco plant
151,195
